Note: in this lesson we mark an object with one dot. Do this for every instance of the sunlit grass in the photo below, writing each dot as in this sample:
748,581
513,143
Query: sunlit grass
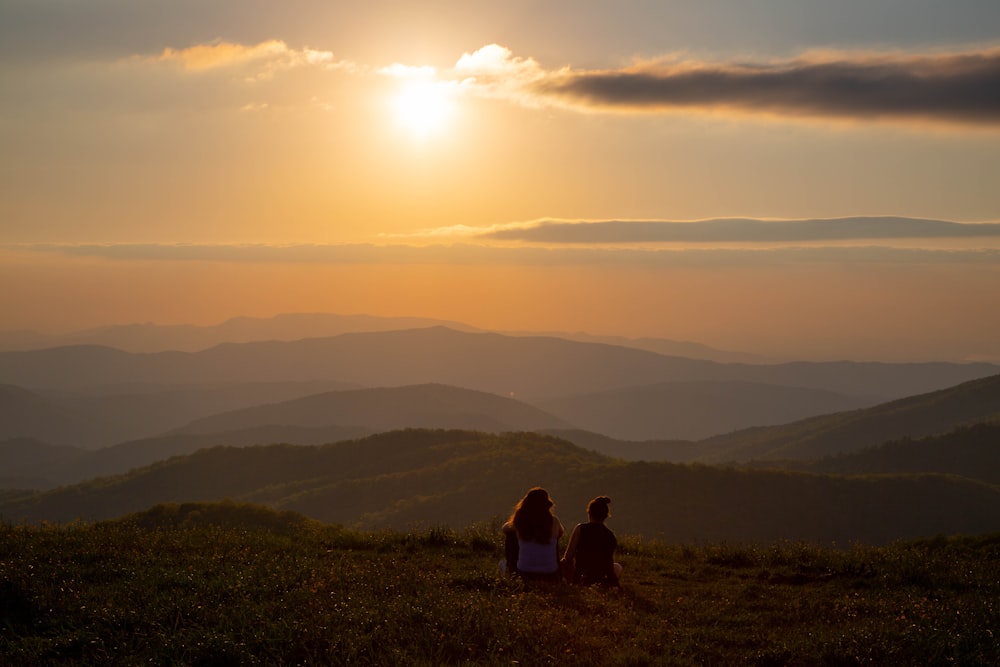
238,585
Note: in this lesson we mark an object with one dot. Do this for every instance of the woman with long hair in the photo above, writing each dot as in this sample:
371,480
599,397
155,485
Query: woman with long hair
589,557
532,537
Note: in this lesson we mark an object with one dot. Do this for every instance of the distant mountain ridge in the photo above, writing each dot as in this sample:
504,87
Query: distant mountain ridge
151,337
664,346
296,326
533,368
694,410
623,392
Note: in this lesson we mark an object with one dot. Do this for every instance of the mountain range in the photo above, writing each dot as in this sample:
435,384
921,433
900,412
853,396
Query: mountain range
446,425
97,397
332,416
296,326
530,367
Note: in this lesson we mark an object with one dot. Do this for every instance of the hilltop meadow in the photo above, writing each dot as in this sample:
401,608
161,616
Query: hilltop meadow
238,584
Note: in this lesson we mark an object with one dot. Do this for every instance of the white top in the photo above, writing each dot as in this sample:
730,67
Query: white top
536,558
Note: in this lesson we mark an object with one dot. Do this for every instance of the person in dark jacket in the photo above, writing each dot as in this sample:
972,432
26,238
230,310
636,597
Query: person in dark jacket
589,557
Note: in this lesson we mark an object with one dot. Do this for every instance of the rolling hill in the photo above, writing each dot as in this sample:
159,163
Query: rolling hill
142,411
27,414
333,416
26,463
694,410
969,451
672,451
455,478
311,420
915,416
388,408
29,464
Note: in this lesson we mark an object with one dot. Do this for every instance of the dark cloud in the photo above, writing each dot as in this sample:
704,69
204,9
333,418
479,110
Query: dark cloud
743,230
960,87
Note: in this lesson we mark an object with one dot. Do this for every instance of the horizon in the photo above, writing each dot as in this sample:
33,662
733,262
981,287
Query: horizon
306,329
815,182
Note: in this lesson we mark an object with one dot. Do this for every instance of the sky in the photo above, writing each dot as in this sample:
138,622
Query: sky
796,178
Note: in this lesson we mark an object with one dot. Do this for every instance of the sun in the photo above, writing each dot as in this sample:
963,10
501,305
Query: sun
423,107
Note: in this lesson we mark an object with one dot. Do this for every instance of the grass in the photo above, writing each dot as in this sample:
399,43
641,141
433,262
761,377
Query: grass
228,584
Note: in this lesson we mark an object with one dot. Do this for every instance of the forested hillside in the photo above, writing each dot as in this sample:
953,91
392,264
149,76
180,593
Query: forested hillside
970,451
915,416
411,478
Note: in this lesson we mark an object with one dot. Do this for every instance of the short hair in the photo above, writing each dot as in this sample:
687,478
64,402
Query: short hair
598,507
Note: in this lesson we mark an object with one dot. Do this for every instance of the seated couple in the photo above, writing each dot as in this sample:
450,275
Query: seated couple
532,543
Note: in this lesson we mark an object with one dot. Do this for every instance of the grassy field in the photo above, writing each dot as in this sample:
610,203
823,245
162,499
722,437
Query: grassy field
226,584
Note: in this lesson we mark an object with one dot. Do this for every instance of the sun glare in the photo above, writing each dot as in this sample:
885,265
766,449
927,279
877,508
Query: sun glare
423,108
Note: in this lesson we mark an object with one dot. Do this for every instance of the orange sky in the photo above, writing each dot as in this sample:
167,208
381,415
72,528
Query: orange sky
146,151
891,310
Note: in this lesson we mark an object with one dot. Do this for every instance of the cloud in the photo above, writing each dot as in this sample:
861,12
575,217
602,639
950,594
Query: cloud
948,87
739,230
494,71
268,57
460,232
483,255
400,71
223,54
494,62
962,87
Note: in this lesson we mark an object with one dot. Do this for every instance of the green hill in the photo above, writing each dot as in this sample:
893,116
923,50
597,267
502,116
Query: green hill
969,451
916,416
405,479
675,451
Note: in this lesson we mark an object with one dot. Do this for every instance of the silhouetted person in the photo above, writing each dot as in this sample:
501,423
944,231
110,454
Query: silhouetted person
532,533
589,557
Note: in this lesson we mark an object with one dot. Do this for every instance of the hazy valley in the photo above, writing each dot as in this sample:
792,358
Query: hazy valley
828,452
